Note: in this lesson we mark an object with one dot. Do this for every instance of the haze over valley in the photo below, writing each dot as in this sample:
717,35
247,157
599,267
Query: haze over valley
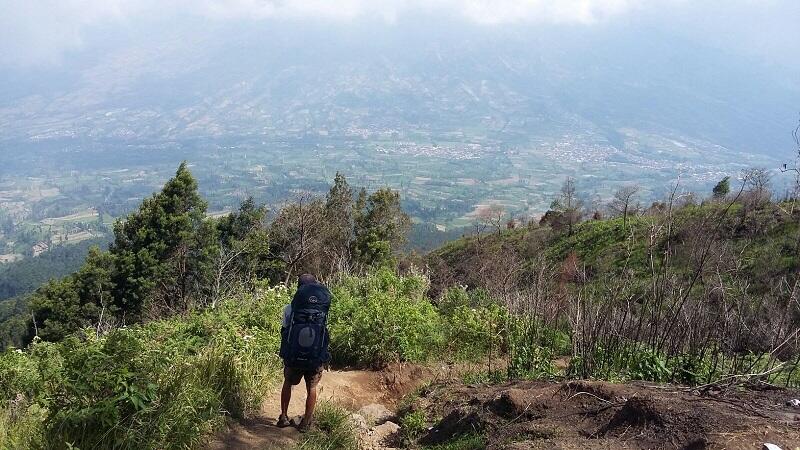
457,111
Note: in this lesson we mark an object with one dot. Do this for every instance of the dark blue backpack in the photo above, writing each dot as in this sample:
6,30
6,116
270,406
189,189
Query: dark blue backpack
304,343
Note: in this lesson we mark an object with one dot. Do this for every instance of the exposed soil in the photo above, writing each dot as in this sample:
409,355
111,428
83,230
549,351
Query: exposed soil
351,389
547,415
598,415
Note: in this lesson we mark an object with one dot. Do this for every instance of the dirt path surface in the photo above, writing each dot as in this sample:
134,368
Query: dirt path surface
351,389
599,415
545,415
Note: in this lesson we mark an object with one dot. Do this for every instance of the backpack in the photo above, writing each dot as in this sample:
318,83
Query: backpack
304,344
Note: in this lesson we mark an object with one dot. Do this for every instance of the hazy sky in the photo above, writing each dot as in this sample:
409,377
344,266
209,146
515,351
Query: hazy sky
39,32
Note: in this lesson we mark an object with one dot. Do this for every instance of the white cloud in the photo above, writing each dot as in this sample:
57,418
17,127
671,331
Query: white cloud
40,31
481,11
35,31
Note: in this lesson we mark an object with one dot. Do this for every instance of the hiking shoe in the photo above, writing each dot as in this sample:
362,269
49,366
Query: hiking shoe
283,421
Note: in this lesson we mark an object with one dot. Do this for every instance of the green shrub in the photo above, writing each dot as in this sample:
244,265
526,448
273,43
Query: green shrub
21,426
637,362
413,424
466,442
166,384
527,356
484,377
474,332
381,318
647,365
453,298
332,430
19,376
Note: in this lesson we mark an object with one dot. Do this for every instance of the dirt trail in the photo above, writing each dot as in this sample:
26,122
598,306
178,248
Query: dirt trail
539,414
352,389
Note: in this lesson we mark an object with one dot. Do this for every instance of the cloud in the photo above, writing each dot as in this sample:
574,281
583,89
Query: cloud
41,31
480,11
37,31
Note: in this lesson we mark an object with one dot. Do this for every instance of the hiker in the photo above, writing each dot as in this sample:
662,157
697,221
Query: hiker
304,345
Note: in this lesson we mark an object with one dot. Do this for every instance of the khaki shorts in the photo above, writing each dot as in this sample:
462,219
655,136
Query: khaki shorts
294,374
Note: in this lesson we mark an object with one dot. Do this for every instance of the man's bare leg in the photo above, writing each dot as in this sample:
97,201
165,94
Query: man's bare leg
311,403
286,397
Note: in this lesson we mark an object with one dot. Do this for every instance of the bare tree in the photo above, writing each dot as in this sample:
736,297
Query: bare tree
796,168
229,272
757,182
568,206
297,233
624,202
491,215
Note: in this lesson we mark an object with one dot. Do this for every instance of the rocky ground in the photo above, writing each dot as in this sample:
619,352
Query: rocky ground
539,415
599,415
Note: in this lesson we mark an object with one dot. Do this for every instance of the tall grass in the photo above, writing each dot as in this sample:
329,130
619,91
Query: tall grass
695,315
333,430
166,384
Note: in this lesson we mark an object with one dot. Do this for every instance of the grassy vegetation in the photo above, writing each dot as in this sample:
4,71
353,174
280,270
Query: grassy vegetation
691,294
468,442
333,430
382,318
170,383
166,384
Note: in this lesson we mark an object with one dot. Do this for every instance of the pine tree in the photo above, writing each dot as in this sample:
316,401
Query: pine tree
722,188
244,246
163,251
381,227
339,215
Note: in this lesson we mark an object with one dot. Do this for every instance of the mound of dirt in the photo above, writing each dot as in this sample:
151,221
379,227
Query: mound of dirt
637,412
596,415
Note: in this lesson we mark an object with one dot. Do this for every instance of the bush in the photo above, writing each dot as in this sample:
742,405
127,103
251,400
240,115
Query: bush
382,318
21,426
333,430
466,442
413,424
473,333
166,384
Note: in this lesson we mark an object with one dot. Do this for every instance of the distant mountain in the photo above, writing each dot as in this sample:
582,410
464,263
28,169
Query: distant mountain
513,86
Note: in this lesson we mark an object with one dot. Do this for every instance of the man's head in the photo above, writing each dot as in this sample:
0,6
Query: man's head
306,278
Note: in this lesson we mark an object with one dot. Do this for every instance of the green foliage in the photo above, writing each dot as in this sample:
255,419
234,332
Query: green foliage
722,188
381,318
339,215
638,362
23,277
466,442
166,384
484,377
531,348
13,322
162,251
244,243
21,426
647,365
414,424
166,257
161,254
333,430
603,244
381,227
474,332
